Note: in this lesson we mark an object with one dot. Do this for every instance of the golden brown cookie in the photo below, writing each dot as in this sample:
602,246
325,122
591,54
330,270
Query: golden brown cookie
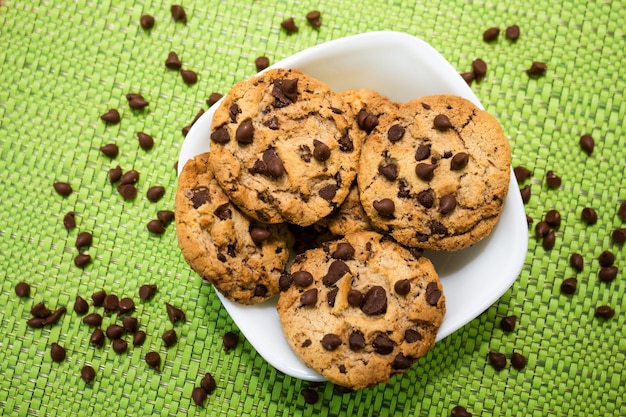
361,309
435,175
283,148
241,257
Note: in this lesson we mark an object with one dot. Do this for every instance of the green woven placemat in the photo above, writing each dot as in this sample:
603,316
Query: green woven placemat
64,63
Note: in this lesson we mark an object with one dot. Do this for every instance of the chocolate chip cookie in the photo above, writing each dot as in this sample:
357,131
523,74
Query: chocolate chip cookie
240,256
435,174
361,309
283,147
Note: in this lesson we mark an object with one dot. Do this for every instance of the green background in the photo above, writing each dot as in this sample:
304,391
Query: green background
64,63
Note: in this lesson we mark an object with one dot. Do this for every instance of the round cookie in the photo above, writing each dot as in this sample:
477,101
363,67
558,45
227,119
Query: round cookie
435,175
360,309
283,148
241,257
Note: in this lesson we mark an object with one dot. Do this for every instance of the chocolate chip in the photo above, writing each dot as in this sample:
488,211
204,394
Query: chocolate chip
480,68
147,291
447,203
87,373
621,212
587,143
576,261
97,338
426,198
441,122
214,98
130,324
119,346
39,310
321,151
537,68
619,236
568,286
115,331
82,260
130,177
553,218
468,77
525,193
395,133
313,17
174,314
507,324
198,196
69,220
173,62
385,207
343,251
112,116
331,341
402,362
207,383
289,25
35,322
137,102
110,150
460,411
62,188
491,34
198,395
402,287
497,360
57,352
169,338
589,215
412,336
80,306
437,228
261,63
155,193
605,312
230,340
522,173
608,273
459,161
310,395
127,191
367,121
433,293
606,258
374,301
345,143
356,340
83,240
22,289
272,124
302,278
328,192
125,305
178,13
110,303
309,297
382,345
332,296
542,228
165,216
139,338
93,320
425,171
54,316
518,361
553,180
355,297
336,271
512,32
273,165
260,235
245,132
98,298
389,171
285,281
189,77
153,359
549,240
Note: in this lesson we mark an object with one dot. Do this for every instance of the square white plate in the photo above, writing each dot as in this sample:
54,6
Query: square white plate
403,68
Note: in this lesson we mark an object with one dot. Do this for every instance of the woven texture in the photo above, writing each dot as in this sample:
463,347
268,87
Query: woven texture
63,63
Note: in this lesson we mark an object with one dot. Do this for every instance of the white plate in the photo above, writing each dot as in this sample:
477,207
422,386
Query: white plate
401,67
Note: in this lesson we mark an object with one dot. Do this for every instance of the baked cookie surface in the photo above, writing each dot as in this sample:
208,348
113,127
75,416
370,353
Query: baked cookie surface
241,257
283,149
435,175
349,217
360,309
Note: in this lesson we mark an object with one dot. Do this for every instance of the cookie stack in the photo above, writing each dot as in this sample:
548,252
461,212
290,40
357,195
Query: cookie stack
379,181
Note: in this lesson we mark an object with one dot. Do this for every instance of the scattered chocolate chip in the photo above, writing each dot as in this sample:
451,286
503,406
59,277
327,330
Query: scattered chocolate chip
402,287
606,258
147,291
553,218
93,320
174,314
549,240
402,362
69,220
460,411
22,289
112,116
608,273
382,345
127,191
302,279
553,180
139,338
395,133
110,150
468,77
568,286
153,359
433,293
367,121
125,305
62,188
146,21
447,203
537,68
97,338
331,341
459,161
208,383
173,62
522,173
309,297
512,32
507,324
57,352
497,360
189,77
155,193
80,306
130,324
98,298
110,303
115,174
605,312
137,102
576,261
343,251
525,193
619,236
146,142
165,216
261,63
169,338
40,310
35,322
55,316
589,215
587,143
310,395
82,260
156,227
230,340
491,34
87,373
119,346
115,331
621,212
214,98
313,17
178,13
83,240
199,396
375,301
425,171
518,361
289,25
480,68
441,122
